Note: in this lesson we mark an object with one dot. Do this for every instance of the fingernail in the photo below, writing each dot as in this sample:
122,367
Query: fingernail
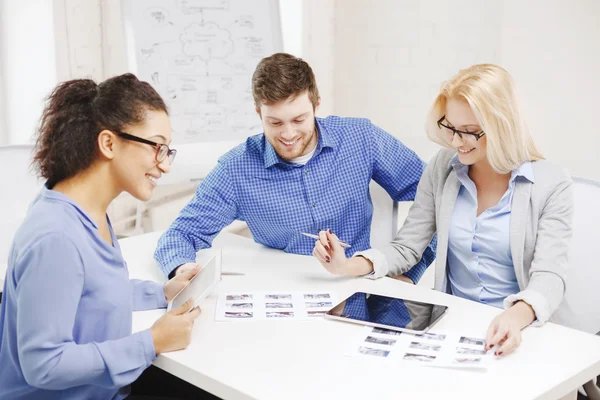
500,353
329,230
328,258
327,248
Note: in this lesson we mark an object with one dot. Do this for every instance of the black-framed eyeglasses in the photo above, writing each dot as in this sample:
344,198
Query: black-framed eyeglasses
452,131
162,150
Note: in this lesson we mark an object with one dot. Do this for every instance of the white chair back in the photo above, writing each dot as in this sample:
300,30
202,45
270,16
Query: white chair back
18,188
384,224
581,306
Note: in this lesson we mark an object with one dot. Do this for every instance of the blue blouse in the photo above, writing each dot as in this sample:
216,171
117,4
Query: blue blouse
66,314
480,265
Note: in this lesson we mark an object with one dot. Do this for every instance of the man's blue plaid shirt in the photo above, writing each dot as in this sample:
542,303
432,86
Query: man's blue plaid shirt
279,200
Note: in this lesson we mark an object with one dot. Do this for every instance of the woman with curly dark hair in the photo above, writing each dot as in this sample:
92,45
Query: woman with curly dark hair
65,320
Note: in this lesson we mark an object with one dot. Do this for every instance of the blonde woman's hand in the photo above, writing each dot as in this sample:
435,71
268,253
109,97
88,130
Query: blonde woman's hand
504,333
332,257
330,253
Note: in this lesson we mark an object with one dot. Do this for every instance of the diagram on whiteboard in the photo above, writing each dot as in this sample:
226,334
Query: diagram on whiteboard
200,56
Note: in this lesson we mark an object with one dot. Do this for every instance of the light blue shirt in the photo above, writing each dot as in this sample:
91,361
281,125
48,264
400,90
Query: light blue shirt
66,315
279,200
480,265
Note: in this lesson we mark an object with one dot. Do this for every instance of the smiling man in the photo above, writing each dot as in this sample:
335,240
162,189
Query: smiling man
303,174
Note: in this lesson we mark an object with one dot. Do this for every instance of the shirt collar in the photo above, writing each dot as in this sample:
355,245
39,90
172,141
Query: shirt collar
525,169
57,196
324,140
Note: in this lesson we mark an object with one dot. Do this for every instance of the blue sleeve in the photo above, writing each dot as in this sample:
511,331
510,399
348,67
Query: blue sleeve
47,294
398,170
212,209
148,295
416,272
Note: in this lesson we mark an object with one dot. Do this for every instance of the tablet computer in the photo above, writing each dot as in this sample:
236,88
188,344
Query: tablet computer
201,284
388,312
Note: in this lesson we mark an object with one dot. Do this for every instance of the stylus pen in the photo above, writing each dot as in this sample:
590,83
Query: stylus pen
310,235
233,273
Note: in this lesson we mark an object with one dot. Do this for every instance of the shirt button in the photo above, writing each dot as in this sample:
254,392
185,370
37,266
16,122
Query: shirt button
314,204
305,171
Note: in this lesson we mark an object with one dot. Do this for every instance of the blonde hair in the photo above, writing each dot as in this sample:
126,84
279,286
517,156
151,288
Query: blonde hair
490,92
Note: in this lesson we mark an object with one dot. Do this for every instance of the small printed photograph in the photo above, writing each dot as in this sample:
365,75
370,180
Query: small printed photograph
317,296
316,313
431,336
472,341
418,357
239,305
238,314
280,314
373,352
385,342
383,331
464,350
467,360
279,305
319,304
279,297
238,297
424,346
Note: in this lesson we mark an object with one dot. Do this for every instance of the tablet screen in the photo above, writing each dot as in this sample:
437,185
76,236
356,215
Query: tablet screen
388,311
201,284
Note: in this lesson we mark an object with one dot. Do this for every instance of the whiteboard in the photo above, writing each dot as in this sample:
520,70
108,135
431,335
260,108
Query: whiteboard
200,55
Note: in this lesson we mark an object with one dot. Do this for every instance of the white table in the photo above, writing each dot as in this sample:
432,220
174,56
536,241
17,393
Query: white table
305,359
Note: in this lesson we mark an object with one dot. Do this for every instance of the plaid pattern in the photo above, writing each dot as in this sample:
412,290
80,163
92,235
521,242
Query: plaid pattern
279,200
377,309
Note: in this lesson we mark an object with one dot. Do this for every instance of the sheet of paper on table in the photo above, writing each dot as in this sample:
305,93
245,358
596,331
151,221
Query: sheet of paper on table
432,349
281,304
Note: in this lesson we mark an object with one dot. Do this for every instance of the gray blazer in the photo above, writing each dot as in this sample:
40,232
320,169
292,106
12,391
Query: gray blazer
540,231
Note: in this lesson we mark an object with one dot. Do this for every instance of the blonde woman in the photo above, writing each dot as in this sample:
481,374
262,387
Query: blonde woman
501,212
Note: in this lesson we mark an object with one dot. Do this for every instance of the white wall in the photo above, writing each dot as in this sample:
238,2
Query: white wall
552,48
318,48
28,59
390,57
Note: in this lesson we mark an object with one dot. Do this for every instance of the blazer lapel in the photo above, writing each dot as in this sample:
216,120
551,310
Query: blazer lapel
518,222
449,194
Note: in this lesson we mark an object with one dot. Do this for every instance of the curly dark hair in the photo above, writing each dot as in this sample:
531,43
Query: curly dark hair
77,111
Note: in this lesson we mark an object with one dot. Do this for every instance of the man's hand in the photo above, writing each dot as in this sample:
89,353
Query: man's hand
182,278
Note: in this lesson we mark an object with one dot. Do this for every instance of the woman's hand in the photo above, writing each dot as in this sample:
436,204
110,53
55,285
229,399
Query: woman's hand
330,253
504,333
181,279
173,331
332,257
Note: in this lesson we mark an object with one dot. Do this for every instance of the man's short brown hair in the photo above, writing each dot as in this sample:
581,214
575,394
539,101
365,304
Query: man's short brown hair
281,76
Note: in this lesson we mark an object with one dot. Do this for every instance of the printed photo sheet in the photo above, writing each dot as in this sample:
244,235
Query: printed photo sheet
432,349
278,305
